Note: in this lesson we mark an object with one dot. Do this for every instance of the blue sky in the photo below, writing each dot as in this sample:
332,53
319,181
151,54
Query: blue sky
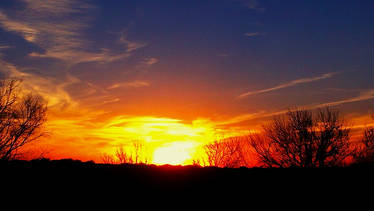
229,61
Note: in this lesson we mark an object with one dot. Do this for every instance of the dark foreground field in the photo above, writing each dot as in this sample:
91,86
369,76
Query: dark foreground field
82,178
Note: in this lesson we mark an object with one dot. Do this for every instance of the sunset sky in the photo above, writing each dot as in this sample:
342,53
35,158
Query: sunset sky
178,74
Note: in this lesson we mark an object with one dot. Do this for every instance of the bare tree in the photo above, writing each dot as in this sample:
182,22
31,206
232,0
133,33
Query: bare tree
21,118
332,138
138,152
133,153
365,151
266,154
34,152
123,156
302,138
108,159
225,153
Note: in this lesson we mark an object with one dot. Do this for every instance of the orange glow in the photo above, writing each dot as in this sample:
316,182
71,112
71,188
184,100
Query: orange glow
165,140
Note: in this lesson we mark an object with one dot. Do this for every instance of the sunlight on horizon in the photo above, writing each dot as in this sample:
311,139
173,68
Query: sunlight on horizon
162,137
175,153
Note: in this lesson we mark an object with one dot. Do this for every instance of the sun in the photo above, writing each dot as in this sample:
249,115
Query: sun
175,153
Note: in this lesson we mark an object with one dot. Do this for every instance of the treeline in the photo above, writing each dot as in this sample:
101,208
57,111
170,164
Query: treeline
299,138
133,153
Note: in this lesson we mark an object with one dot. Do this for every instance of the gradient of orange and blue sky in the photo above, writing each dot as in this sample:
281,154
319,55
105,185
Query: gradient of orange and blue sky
185,71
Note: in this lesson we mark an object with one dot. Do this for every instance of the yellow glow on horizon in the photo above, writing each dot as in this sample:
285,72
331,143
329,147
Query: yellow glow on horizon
175,153
157,130
165,140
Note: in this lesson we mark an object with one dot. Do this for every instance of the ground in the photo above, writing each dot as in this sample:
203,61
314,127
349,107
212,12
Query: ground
145,180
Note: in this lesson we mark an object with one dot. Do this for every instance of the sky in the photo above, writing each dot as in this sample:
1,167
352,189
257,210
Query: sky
173,72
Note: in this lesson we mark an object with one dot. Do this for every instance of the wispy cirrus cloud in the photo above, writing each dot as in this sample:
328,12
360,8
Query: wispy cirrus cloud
361,96
147,63
288,84
58,27
57,91
130,45
150,61
143,66
61,7
51,89
223,55
253,34
26,31
131,84
242,118
252,5
5,46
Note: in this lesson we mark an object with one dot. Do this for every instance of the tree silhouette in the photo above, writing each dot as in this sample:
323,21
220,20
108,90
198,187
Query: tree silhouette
134,153
108,159
123,156
21,118
302,138
225,153
365,152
